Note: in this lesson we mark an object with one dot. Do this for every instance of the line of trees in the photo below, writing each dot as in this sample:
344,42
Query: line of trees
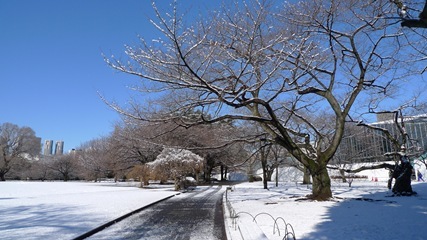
135,151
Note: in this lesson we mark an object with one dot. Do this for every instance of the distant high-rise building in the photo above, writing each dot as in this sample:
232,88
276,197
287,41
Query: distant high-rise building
59,148
48,147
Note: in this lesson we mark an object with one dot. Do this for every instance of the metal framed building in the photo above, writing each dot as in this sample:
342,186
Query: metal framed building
363,144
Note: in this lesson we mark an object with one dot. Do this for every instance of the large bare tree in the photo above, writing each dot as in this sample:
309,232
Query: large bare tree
280,66
94,158
65,166
16,143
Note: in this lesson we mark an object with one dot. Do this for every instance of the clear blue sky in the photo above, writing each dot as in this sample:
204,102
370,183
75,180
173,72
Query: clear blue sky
51,64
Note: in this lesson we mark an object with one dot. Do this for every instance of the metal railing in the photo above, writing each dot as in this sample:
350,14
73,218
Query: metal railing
289,230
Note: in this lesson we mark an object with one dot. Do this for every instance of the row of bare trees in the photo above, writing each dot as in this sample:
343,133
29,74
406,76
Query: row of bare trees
132,150
149,152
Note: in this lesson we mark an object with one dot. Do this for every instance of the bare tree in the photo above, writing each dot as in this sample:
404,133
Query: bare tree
16,144
264,153
40,170
218,144
65,165
140,143
277,159
268,153
280,67
131,145
94,158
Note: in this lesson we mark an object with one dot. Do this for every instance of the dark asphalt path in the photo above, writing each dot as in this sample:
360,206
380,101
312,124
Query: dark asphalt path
193,215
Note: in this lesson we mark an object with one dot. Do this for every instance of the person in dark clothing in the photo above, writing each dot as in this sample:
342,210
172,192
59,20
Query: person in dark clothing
402,173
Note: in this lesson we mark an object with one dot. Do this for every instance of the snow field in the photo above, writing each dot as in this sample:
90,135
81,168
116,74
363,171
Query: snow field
364,211
64,210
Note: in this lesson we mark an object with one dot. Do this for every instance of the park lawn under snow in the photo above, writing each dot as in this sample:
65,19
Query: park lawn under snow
58,210
364,211
65,210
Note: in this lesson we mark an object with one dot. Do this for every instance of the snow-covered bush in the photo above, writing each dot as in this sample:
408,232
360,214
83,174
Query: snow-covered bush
176,164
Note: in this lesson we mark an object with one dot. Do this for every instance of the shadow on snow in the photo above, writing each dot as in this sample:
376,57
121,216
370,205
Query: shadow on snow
376,215
45,221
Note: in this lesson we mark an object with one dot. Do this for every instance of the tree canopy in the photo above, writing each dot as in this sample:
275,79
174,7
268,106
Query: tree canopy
16,143
284,67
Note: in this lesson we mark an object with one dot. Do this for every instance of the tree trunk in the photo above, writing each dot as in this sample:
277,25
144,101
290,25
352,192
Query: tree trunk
321,184
342,173
269,174
207,174
250,174
264,179
306,177
2,178
66,177
180,183
222,172
277,176
264,171
197,177
209,166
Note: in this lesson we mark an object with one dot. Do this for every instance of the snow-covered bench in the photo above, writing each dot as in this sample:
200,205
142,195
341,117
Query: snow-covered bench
249,230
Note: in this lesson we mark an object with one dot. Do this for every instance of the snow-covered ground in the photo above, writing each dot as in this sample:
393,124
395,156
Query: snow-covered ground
363,211
58,210
65,210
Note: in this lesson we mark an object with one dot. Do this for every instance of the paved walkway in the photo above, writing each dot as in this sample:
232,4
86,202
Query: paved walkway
193,215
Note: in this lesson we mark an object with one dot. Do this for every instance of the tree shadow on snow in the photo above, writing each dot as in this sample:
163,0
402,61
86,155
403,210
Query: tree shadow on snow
44,221
376,216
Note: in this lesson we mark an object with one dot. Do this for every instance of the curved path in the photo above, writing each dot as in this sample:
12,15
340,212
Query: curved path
193,215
